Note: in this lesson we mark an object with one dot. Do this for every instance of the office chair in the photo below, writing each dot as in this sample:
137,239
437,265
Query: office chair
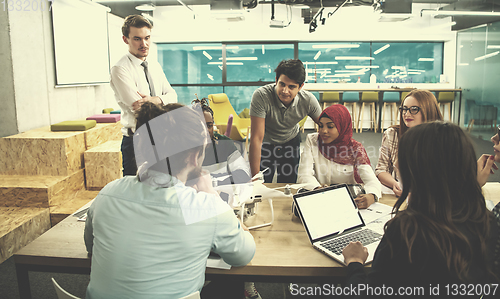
351,98
391,99
330,97
445,99
222,109
370,98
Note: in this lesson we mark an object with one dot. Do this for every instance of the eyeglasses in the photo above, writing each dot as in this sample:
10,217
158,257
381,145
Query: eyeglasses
413,110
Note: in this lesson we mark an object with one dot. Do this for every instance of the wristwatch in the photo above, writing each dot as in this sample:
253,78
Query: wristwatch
375,196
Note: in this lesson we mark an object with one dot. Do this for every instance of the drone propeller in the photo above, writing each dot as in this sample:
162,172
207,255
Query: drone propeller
292,186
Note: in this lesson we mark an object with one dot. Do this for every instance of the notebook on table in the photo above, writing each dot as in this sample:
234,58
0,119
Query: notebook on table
332,220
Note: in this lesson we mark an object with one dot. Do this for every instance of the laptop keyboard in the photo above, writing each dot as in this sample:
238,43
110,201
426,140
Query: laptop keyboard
365,236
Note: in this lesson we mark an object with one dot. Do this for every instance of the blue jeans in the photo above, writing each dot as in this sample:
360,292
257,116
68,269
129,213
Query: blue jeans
282,158
128,156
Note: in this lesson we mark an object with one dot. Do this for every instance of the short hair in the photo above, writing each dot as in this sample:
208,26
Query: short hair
293,69
203,103
429,108
136,21
172,131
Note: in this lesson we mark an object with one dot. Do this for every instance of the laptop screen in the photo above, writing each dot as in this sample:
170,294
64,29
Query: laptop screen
328,211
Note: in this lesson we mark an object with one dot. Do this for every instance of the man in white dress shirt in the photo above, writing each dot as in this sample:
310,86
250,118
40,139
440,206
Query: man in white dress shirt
136,80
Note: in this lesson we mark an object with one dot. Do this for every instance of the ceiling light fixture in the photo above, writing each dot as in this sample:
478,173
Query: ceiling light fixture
207,55
240,58
146,7
321,62
196,48
317,55
426,59
433,12
335,46
361,66
381,49
486,56
227,63
353,58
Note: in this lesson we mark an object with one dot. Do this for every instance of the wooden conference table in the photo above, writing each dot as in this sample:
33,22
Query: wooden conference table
284,253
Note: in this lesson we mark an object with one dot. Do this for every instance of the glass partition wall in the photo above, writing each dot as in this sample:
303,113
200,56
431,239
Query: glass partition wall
478,63
237,69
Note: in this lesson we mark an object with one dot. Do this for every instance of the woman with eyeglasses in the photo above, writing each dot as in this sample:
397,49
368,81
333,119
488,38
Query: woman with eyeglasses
419,106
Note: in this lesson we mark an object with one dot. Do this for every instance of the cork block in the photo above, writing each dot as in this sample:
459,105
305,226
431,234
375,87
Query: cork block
58,213
20,226
103,164
102,133
39,191
42,152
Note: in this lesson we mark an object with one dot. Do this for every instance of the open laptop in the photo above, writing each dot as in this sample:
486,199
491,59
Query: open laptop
332,220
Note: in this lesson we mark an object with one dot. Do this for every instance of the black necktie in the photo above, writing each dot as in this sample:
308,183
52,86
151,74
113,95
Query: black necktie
148,78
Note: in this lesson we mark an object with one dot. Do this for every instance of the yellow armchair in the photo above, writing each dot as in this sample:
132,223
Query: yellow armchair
222,109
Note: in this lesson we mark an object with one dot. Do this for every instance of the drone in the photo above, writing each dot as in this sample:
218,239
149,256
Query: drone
247,196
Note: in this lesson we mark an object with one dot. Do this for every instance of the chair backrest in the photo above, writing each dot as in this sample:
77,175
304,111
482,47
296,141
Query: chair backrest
222,108
403,96
350,96
195,295
447,96
229,125
62,294
369,96
330,96
391,96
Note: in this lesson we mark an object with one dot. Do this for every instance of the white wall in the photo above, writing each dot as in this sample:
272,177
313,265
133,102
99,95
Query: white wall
38,102
8,123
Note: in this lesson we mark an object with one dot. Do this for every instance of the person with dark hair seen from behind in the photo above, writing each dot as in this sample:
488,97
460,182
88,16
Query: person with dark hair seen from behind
419,106
222,158
445,235
275,111
136,80
331,156
150,235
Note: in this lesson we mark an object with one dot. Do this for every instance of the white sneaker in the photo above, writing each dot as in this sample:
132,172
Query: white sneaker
251,291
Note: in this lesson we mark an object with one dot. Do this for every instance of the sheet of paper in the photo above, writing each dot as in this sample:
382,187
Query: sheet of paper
218,263
386,190
375,211
378,225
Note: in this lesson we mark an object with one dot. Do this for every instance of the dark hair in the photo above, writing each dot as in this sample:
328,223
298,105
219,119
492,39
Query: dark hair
136,21
203,103
437,164
293,69
181,132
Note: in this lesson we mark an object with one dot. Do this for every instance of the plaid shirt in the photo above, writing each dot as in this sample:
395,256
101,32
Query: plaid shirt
388,156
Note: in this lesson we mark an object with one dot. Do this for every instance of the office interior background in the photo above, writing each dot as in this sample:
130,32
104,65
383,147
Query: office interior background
204,48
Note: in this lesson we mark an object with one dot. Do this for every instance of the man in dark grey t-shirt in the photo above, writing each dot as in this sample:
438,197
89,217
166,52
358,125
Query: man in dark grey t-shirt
275,111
